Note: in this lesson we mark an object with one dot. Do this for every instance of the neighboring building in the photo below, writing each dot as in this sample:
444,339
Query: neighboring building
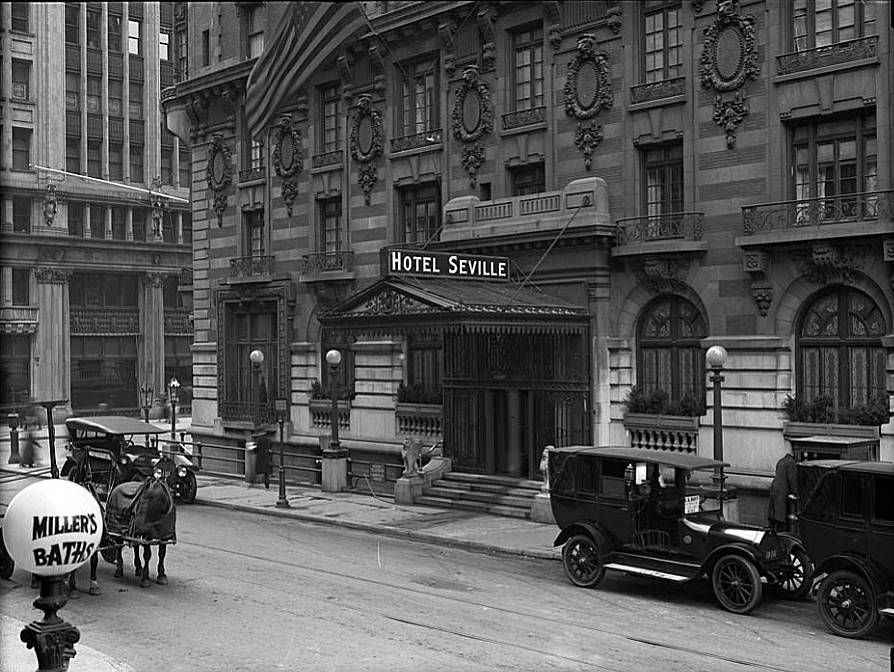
661,177
95,272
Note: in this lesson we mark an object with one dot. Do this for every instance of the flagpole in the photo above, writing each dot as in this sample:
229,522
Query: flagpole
109,182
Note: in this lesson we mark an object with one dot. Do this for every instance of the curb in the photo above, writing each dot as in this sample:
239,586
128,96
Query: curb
413,535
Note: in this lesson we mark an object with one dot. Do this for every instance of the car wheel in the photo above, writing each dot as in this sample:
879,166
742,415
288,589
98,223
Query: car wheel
847,604
794,578
188,488
737,584
582,561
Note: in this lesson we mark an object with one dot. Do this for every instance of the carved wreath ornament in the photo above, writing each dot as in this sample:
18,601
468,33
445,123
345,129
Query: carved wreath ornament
472,119
220,174
288,157
588,91
367,142
728,61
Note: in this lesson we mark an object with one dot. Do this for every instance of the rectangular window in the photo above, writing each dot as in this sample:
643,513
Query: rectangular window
94,95
21,215
835,170
21,79
72,91
420,212
114,33
97,221
119,223
883,504
94,158
134,37
206,48
852,501
251,326
20,17
138,219
136,163
167,164
425,369
182,54
116,161
73,23
76,220
116,96
21,281
253,228
136,101
419,98
94,28
255,32
164,46
663,48
820,23
256,154
529,179
330,118
15,362
103,371
21,148
184,168
186,226
663,179
330,226
527,72
73,154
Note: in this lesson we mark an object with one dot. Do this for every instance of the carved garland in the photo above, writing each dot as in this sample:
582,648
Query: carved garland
288,157
49,205
367,142
728,61
472,119
588,91
220,174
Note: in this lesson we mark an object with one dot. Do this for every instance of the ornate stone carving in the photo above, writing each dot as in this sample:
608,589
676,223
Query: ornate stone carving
588,91
553,12
489,44
366,142
728,61
378,67
472,119
659,273
614,18
757,264
822,263
446,31
697,5
346,74
158,206
220,174
49,205
763,298
156,279
288,158
50,253
51,276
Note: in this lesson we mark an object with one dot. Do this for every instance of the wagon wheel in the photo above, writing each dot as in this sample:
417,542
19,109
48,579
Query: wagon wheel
582,560
847,604
737,584
793,581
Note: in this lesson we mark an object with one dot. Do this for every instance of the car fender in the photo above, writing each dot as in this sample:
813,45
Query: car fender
587,528
791,542
854,563
737,549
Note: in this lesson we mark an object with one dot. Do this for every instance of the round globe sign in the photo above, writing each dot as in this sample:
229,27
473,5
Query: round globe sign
52,527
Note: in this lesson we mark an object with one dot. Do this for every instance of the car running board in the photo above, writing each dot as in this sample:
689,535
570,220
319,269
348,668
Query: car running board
647,572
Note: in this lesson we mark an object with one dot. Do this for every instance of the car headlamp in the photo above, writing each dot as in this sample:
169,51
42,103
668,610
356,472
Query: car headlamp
158,472
181,472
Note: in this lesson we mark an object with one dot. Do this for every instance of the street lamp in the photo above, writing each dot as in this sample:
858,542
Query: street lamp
174,395
716,358
333,358
145,400
281,409
256,357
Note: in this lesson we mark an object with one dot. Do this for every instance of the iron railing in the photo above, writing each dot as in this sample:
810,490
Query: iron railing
666,88
248,411
672,226
520,118
824,210
319,262
417,140
253,266
830,54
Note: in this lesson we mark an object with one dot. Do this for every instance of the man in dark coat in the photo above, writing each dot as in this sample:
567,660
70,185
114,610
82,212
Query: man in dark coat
785,483
263,464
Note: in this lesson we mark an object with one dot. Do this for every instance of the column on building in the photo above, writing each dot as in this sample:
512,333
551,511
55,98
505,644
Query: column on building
88,233
178,227
51,360
129,224
152,355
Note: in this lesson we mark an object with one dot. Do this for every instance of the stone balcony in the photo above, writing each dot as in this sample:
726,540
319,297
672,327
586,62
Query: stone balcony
583,203
18,320
670,232
847,52
256,268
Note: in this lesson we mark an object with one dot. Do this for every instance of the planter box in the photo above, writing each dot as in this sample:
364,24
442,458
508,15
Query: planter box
792,429
678,433
817,441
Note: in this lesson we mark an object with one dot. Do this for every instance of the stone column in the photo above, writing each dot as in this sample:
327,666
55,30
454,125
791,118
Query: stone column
152,354
178,227
129,224
108,223
6,286
88,233
51,360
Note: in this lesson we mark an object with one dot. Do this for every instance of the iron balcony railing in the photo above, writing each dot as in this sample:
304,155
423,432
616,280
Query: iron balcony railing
416,140
319,262
246,411
830,54
868,205
671,226
250,267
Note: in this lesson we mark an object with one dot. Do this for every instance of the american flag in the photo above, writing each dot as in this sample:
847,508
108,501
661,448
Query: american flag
307,36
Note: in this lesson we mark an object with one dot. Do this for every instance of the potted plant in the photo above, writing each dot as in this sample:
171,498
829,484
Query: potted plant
818,415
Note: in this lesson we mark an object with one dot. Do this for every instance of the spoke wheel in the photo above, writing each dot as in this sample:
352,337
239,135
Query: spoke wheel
847,604
582,561
737,584
188,488
794,578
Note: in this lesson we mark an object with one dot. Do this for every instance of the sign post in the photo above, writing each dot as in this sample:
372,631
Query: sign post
50,529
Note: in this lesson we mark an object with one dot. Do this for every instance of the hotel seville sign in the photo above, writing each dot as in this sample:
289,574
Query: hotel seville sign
420,263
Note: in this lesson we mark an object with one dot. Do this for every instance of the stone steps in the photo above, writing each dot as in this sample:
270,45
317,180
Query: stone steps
495,495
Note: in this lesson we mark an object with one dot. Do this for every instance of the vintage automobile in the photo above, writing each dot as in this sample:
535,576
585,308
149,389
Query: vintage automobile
846,521
634,510
108,450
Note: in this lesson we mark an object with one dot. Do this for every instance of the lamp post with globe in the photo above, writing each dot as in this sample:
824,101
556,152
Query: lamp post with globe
334,475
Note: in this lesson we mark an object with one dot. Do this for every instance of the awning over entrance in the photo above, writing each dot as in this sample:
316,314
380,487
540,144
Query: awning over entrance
394,304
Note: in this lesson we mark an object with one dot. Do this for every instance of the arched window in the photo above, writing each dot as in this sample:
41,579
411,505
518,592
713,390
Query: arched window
839,348
670,357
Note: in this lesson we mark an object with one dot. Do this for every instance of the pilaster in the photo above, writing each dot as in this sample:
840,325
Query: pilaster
152,355
51,363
